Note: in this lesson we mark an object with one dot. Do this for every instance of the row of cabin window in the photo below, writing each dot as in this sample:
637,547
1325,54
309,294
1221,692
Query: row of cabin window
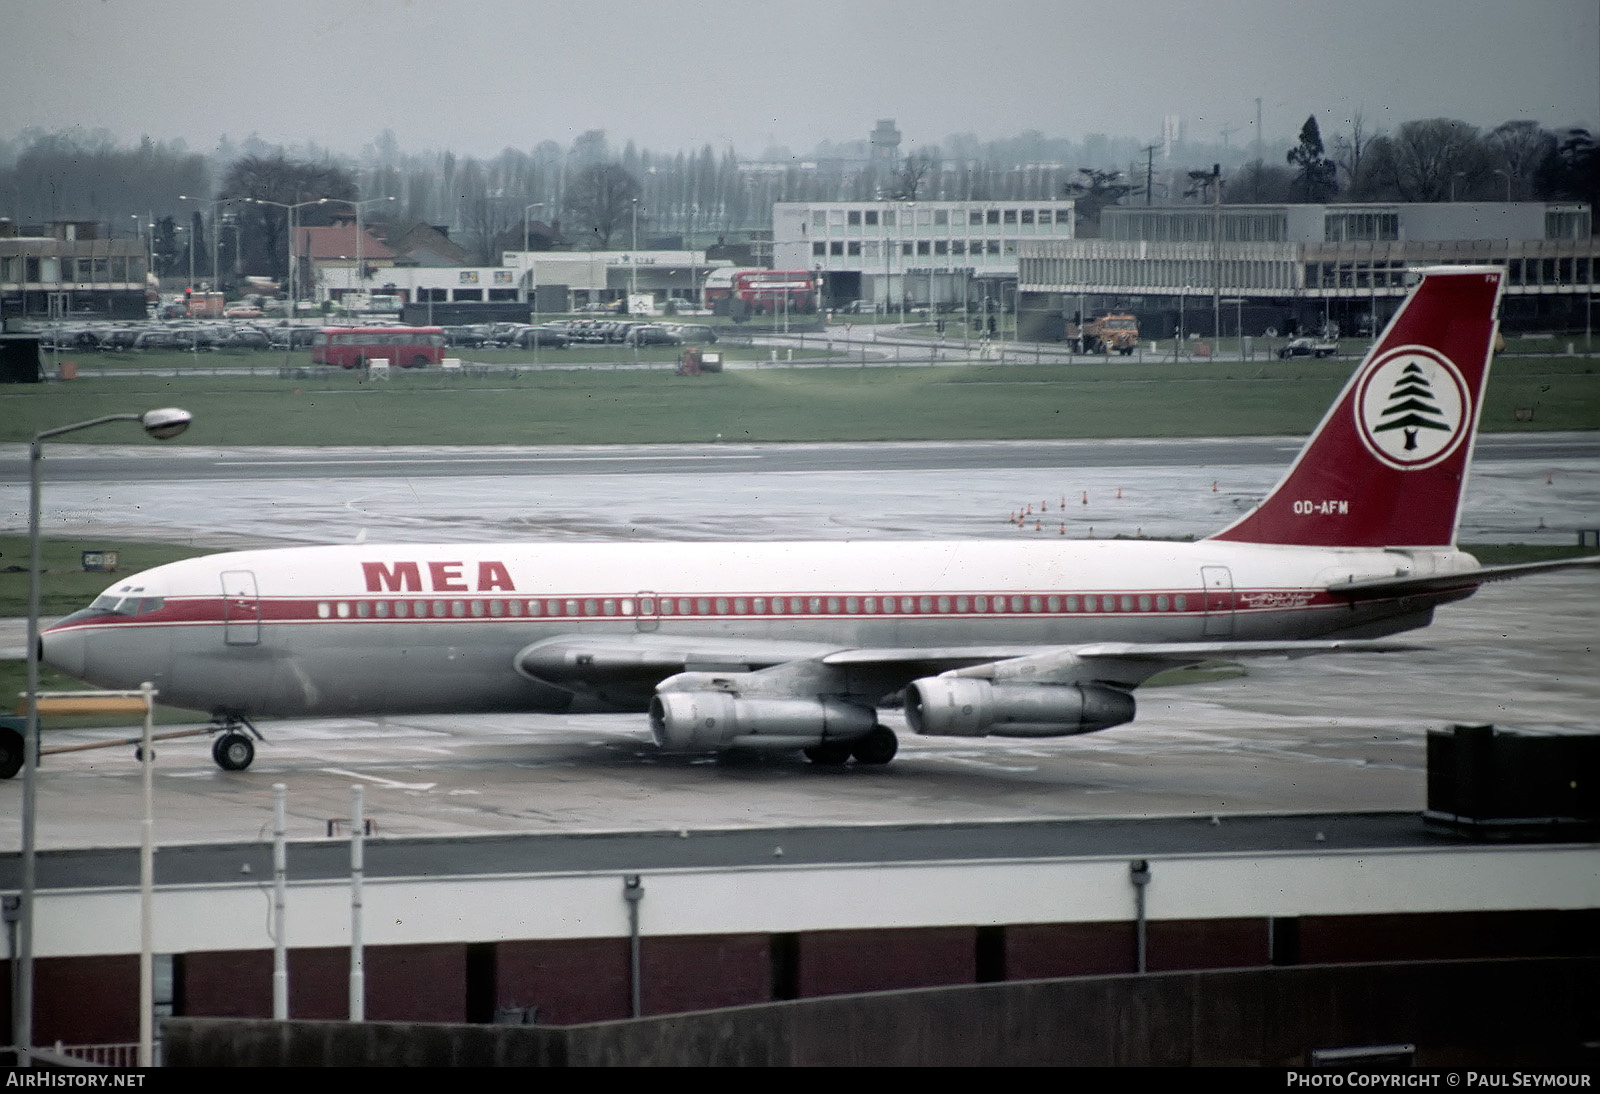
739,605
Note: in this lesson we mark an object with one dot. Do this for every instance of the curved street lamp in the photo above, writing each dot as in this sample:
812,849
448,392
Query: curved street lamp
161,424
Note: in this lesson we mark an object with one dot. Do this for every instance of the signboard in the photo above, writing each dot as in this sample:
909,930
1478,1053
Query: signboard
100,561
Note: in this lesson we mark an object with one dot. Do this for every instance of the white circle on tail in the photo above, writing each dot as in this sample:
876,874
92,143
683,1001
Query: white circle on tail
1411,407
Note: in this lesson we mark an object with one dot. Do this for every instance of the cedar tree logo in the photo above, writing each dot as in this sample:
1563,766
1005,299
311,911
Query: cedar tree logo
1412,408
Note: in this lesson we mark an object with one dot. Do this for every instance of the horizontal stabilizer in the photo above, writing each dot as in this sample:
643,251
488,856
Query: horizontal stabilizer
1384,587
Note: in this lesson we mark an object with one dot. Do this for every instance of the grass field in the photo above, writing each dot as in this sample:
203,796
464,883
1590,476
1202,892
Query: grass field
844,403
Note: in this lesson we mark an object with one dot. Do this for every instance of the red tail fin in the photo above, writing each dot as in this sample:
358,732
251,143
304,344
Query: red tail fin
1388,464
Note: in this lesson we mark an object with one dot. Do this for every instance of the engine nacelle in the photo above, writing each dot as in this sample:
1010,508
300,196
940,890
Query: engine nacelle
696,721
963,706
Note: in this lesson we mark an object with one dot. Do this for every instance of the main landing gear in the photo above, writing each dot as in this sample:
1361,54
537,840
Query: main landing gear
233,751
877,746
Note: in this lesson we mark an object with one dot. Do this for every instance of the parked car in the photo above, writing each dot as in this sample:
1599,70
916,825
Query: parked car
293,337
465,337
651,334
1307,347
245,338
693,332
528,337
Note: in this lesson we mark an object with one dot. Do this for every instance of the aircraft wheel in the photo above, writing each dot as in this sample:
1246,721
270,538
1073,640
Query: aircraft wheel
829,753
233,751
877,746
11,753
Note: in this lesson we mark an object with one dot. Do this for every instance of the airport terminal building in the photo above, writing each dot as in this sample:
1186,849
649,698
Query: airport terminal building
548,282
894,253
1306,267
68,270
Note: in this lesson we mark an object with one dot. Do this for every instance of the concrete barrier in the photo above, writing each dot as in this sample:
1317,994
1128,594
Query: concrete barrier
1457,1013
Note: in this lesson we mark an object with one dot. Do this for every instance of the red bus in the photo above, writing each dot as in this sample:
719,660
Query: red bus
355,347
766,291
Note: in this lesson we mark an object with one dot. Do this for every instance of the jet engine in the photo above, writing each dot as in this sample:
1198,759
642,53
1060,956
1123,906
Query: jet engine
962,706
692,721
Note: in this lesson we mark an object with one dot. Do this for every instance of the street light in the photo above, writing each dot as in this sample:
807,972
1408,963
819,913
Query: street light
162,424
361,229
633,259
533,274
289,220
216,232
1507,176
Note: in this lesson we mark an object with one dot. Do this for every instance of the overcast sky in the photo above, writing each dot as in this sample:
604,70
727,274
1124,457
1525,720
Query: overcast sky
478,76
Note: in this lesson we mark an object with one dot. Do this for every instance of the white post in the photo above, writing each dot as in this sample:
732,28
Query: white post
280,871
358,983
146,885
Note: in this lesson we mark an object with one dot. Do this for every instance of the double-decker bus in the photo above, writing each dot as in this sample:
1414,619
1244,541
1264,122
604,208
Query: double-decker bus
762,292
357,347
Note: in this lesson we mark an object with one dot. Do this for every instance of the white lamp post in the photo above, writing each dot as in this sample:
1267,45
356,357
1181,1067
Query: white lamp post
161,424
533,275
289,220
361,228
216,232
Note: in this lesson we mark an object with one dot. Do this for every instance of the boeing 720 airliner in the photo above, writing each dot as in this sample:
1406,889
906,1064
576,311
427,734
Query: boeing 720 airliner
799,645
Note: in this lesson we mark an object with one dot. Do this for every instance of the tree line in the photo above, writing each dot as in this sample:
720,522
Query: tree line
594,195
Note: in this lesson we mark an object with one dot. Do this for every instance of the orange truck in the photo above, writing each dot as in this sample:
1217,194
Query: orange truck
1112,331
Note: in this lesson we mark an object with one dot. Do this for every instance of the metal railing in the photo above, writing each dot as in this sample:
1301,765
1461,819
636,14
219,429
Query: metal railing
106,1055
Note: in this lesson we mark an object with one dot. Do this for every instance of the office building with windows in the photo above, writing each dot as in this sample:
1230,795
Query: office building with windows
895,254
1308,267
66,269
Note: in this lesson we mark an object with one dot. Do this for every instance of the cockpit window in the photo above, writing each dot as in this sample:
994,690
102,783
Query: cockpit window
117,604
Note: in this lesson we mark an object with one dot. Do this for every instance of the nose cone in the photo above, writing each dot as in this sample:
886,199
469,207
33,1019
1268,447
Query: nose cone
63,649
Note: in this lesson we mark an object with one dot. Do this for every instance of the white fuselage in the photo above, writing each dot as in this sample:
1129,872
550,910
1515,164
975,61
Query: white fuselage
374,629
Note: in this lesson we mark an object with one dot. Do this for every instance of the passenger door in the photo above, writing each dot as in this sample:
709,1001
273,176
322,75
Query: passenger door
1217,582
241,609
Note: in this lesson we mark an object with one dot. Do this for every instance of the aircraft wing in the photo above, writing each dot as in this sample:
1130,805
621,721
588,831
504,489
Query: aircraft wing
1466,581
1129,664
638,661
575,659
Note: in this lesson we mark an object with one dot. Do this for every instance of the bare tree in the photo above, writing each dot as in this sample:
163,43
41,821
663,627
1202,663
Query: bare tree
283,181
1572,171
1349,152
1520,148
914,171
483,211
1436,159
602,198
1258,183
